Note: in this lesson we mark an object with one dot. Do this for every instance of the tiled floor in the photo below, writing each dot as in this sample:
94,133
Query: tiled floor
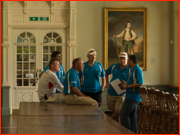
9,124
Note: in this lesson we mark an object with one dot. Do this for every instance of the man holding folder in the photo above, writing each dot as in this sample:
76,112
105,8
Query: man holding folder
121,72
128,113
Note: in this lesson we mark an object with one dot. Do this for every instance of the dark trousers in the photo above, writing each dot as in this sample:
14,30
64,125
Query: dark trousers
128,114
96,96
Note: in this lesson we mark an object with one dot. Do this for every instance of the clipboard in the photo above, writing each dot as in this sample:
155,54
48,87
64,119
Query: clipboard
116,85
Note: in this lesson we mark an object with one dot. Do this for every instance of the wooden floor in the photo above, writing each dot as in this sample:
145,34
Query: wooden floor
9,124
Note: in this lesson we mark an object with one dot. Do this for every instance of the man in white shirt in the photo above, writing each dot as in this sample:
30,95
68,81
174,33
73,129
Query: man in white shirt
128,36
48,82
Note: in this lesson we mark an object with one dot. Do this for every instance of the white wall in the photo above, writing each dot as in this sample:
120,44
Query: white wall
90,34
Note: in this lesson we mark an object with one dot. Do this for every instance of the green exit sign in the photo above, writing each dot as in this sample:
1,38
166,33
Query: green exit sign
39,18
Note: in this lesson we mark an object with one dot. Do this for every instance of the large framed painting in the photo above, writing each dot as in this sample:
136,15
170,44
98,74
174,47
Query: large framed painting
125,30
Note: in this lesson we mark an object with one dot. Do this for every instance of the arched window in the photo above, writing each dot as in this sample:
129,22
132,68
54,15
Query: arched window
52,37
51,42
26,37
26,59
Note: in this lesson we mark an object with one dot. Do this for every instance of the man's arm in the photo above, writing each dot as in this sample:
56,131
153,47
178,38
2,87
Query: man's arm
139,78
135,85
63,75
80,78
43,71
103,78
56,83
107,80
78,92
63,79
120,35
103,83
40,74
134,35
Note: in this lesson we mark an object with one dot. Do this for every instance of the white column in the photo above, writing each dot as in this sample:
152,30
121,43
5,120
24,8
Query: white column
5,48
71,35
5,22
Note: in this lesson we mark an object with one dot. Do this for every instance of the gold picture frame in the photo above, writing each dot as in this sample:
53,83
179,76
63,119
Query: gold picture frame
114,23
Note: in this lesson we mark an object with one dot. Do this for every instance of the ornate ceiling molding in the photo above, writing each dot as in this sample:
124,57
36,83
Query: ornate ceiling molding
16,4
62,4
38,4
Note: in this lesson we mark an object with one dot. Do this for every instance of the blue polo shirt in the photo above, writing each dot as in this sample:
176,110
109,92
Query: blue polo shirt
71,79
116,72
91,77
59,74
136,76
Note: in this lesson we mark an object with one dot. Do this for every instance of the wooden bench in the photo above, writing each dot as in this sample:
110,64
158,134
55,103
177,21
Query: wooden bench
58,118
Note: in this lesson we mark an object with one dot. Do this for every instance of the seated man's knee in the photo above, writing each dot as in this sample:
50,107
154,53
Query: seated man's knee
116,112
95,103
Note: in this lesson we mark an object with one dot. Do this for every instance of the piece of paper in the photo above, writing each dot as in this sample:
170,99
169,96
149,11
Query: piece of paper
116,85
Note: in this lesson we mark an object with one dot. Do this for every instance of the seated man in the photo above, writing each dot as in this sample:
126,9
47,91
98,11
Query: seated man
60,73
72,89
48,83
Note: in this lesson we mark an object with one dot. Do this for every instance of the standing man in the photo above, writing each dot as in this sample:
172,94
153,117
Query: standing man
60,73
128,36
90,77
119,71
128,113
48,82
72,90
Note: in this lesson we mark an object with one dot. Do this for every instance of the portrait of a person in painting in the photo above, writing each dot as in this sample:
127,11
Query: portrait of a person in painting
126,33
128,36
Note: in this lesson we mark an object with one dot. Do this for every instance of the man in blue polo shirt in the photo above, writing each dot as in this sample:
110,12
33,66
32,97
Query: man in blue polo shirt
60,74
90,77
72,90
119,71
128,111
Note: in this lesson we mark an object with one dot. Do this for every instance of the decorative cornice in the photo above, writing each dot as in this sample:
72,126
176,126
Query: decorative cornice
72,45
5,44
38,4
5,4
73,4
5,87
15,4
62,4
30,25
25,7
52,7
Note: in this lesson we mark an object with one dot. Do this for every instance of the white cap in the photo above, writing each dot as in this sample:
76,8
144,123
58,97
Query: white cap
91,52
123,54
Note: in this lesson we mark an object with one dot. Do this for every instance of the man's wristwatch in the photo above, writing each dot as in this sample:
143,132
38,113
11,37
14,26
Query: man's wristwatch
128,86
